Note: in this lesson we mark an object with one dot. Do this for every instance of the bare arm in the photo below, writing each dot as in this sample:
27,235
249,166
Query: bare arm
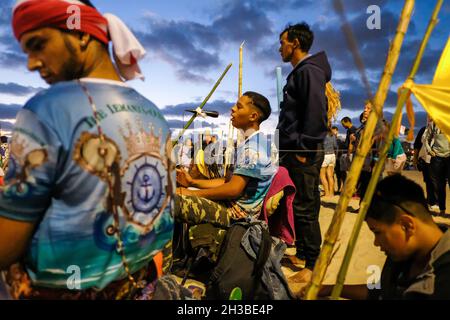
207,184
353,292
14,239
230,190
184,179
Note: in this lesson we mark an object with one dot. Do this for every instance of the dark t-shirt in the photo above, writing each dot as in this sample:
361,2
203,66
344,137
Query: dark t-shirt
350,131
418,141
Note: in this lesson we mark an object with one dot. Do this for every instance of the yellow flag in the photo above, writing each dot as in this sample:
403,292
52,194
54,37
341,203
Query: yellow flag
436,101
435,98
442,74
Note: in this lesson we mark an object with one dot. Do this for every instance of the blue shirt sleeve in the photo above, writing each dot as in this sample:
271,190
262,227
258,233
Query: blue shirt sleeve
31,170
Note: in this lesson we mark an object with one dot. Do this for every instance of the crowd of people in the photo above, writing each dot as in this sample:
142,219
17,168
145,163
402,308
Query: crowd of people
340,152
94,197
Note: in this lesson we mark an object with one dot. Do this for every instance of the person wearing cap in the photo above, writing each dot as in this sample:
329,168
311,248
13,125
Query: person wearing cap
221,201
86,208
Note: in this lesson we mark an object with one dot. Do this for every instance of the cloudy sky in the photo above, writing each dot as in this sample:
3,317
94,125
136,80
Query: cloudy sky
190,43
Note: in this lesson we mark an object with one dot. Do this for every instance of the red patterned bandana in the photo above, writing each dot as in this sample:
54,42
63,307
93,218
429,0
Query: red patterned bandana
34,14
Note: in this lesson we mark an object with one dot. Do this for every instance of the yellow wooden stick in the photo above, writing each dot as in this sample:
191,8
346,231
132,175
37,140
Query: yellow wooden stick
230,127
361,153
335,294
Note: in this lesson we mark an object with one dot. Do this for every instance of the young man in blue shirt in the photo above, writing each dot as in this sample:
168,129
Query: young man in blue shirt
218,201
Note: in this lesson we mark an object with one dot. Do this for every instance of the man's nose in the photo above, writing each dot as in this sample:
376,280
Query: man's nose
34,63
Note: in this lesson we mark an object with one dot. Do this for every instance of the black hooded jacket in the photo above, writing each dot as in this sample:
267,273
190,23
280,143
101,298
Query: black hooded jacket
303,113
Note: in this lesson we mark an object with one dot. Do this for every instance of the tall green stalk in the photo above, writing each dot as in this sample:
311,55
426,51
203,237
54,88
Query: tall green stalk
335,294
202,105
360,155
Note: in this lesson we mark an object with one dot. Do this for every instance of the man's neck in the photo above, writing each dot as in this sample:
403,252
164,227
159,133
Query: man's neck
431,237
298,56
249,130
99,65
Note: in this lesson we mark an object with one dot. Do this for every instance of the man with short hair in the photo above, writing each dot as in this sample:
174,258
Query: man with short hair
340,174
90,183
221,202
302,127
422,162
438,147
351,129
344,158
417,250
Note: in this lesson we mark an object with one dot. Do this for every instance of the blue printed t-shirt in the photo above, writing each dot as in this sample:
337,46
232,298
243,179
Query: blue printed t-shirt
254,162
57,179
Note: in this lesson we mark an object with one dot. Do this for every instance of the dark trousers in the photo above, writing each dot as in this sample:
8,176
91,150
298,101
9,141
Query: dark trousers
306,177
439,173
364,180
431,197
337,171
343,178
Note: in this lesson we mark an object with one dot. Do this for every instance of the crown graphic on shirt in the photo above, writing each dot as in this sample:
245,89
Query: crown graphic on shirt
141,141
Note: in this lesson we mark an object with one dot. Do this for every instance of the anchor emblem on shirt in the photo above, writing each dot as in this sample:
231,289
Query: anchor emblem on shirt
146,192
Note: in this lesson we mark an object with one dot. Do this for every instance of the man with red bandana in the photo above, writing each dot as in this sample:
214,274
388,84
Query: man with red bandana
87,205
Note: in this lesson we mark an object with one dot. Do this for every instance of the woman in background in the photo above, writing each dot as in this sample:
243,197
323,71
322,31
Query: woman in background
329,161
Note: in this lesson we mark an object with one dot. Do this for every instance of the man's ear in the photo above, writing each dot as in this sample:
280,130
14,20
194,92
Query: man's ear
254,116
84,40
297,44
408,224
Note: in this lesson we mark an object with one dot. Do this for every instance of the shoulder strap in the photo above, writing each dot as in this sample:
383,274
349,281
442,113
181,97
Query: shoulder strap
264,250
262,257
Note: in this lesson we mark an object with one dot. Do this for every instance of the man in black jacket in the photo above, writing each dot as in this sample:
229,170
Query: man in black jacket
302,128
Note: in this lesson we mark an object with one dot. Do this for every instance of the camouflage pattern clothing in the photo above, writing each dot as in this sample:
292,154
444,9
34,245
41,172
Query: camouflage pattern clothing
196,210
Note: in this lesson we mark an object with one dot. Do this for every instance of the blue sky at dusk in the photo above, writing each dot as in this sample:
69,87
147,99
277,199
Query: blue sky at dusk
189,44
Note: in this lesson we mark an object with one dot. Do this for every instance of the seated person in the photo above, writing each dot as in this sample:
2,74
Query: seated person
219,201
418,252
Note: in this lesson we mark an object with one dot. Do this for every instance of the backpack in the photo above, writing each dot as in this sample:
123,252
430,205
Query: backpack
249,259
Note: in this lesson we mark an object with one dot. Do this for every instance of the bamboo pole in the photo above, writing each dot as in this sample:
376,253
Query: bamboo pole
241,49
239,133
202,105
230,126
279,87
404,93
361,152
